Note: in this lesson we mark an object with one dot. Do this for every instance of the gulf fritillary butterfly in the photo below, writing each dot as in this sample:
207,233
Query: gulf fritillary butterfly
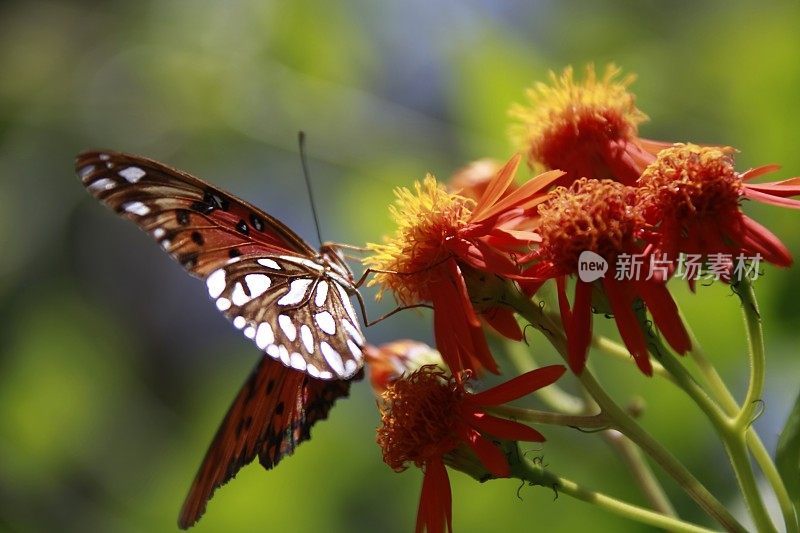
292,301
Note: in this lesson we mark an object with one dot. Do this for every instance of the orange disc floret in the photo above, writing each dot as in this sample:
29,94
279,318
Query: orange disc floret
594,215
693,181
583,127
425,219
419,417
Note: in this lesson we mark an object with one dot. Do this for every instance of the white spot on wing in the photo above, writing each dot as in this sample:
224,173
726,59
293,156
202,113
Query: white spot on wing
238,295
257,283
239,322
354,349
137,208
269,263
216,283
288,327
158,233
312,370
308,263
297,362
264,335
297,290
223,304
324,374
352,330
249,332
307,338
325,322
103,184
350,368
284,353
132,174
346,303
85,171
332,357
272,351
104,157
322,293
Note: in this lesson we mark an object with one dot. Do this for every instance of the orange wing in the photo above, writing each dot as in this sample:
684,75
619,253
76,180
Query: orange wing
272,414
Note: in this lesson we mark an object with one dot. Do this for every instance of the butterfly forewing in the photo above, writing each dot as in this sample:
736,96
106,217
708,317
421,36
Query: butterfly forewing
196,223
289,299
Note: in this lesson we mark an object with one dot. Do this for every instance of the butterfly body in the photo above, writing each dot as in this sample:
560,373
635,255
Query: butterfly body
289,299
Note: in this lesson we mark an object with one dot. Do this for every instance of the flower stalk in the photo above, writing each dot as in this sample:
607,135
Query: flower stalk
623,422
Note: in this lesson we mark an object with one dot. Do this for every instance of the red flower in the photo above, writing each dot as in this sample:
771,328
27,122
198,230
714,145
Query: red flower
444,240
587,129
601,217
429,419
691,196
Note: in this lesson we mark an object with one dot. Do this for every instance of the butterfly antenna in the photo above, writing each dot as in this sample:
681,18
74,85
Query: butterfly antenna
301,139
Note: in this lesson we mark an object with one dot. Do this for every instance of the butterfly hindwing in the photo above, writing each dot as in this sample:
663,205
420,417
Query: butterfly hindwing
272,414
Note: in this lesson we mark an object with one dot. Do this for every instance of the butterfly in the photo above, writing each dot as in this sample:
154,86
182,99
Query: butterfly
291,300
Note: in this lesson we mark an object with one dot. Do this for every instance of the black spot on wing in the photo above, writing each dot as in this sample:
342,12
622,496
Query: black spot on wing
242,228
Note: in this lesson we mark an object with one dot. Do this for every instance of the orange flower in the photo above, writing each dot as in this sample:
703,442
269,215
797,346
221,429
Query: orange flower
587,129
430,419
472,180
601,217
443,239
391,361
690,196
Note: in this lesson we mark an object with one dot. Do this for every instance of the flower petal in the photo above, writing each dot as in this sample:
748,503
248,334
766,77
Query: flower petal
518,387
581,328
490,455
622,306
665,314
503,321
774,197
504,429
457,330
495,189
761,240
759,171
435,502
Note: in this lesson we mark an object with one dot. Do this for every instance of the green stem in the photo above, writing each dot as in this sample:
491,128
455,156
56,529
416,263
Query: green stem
553,396
546,417
535,474
731,434
618,351
757,359
728,403
642,473
627,425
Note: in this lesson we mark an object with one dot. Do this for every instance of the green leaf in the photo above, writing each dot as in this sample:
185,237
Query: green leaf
787,455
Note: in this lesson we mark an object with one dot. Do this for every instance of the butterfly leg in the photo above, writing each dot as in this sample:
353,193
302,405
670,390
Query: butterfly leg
369,323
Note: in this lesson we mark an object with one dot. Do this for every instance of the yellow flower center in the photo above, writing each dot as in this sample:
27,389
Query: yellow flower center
419,417
425,219
593,215
567,122
690,181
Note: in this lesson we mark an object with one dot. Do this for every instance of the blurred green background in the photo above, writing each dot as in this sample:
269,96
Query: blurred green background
115,369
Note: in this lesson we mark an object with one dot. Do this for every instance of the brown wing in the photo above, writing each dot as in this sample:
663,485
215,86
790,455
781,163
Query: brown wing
198,224
272,414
